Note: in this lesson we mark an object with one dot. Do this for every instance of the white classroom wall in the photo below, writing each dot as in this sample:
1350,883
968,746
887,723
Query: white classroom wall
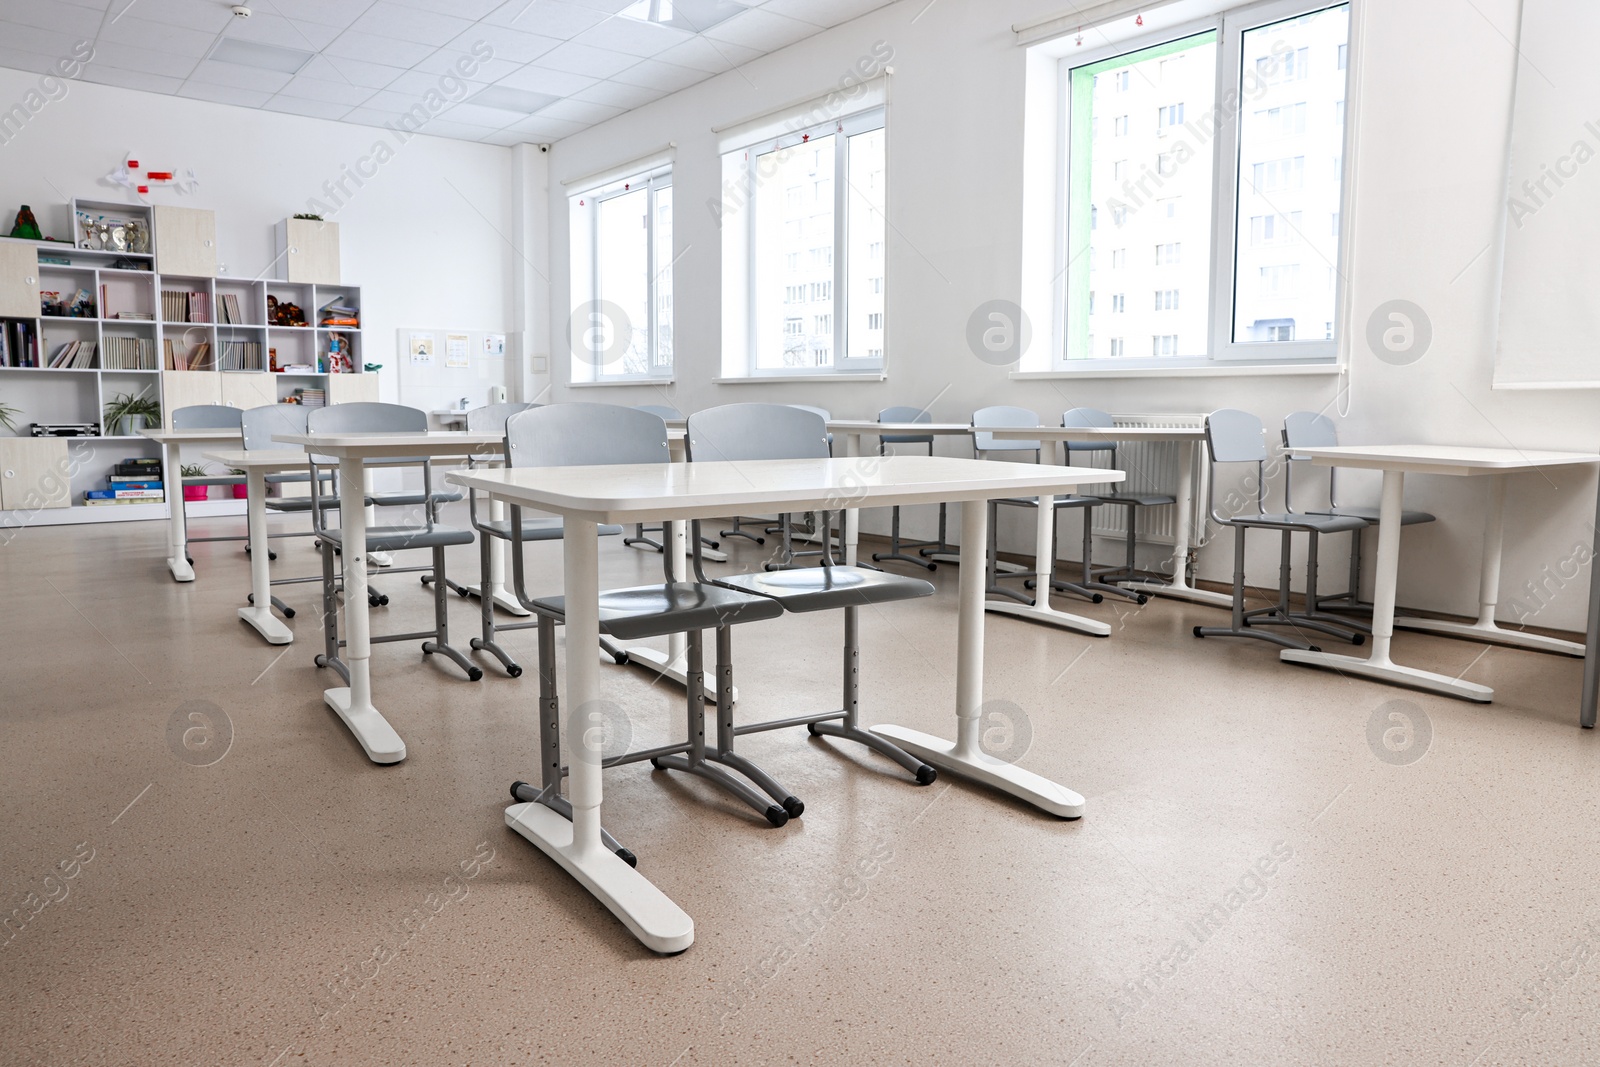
421,237
1429,164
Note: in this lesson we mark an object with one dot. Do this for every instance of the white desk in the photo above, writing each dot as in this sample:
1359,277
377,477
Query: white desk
1396,461
172,484
257,465
587,496
1188,440
853,430
352,450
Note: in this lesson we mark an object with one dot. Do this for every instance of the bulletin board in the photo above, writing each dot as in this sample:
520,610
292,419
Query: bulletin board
440,366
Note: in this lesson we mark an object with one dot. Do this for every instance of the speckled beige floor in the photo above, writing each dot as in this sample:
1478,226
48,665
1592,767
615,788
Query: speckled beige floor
1252,882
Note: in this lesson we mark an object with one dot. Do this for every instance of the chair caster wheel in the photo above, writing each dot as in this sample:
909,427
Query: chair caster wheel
190,559
515,670
811,728
250,598
1314,648
424,579
794,806
1360,639
656,764
627,857
321,660
1199,631
777,816
464,593
1142,599
474,674
1099,598
288,613
926,775
516,786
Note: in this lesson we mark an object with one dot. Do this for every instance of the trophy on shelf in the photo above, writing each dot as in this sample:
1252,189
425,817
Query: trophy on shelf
138,238
90,229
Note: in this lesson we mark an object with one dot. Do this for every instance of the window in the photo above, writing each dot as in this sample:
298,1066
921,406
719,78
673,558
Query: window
1121,125
1238,114
814,295
1119,303
621,326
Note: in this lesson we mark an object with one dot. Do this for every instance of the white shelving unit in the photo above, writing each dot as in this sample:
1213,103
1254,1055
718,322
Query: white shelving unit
128,283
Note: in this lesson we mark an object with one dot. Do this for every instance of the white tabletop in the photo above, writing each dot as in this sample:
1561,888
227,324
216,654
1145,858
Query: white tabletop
1096,433
215,434
1442,459
270,460
630,493
872,426
363,445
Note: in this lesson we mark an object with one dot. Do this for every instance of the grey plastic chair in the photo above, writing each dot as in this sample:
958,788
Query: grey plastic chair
1234,436
430,534
751,432
986,444
490,419
898,549
1132,501
641,532
205,417
1308,429
603,434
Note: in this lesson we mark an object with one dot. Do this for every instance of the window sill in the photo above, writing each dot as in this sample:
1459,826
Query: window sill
611,382
802,379
1219,370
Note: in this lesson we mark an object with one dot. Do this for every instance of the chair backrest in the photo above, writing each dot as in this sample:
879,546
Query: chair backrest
665,411
260,424
1003,415
491,418
1092,418
1307,429
1235,436
905,413
584,435
206,417
367,418
758,431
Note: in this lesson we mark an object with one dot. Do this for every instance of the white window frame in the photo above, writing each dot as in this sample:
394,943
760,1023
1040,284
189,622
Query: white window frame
842,362
1223,350
592,370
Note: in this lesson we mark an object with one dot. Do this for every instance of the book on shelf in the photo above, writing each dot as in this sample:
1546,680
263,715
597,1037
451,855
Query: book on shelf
74,355
178,306
114,501
242,355
124,494
118,481
128,353
21,343
228,312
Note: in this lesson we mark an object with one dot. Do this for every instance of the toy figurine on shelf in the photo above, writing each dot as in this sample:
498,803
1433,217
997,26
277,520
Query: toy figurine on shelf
27,226
338,355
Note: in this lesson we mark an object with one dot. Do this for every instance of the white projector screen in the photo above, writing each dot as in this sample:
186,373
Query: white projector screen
1549,335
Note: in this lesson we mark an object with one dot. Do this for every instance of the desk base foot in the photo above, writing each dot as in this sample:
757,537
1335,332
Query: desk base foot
1492,634
647,912
1050,617
1003,566
267,625
502,600
657,663
377,737
180,568
1181,592
1041,792
1393,673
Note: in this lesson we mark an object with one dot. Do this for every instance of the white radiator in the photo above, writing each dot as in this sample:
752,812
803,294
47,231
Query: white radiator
1152,467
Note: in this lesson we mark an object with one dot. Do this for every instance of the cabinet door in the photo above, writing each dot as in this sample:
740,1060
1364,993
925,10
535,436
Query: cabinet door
352,388
19,280
185,388
248,390
186,241
33,473
311,252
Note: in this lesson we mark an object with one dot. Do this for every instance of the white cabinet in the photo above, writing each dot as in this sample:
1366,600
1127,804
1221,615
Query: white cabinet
352,388
19,280
186,388
34,473
186,241
245,390
309,250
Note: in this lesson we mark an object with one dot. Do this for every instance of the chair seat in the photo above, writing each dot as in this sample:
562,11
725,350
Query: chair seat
540,529
400,500
1069,501
677,607
300,504
399,538
1407,518
1139,500
821,588
1322,524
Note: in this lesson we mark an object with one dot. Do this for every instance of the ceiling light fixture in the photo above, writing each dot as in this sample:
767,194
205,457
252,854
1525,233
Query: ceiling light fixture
696,16
260,56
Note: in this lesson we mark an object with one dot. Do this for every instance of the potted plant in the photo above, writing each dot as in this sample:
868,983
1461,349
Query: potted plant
7,416
127,413
241,490
194,492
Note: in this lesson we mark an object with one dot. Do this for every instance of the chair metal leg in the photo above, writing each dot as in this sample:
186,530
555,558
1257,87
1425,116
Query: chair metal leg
723,753
694,760
992,586
849,728
1093,587
486,641
639,538
1285,615
739,531
1240,628
329,657
897,549
441,622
